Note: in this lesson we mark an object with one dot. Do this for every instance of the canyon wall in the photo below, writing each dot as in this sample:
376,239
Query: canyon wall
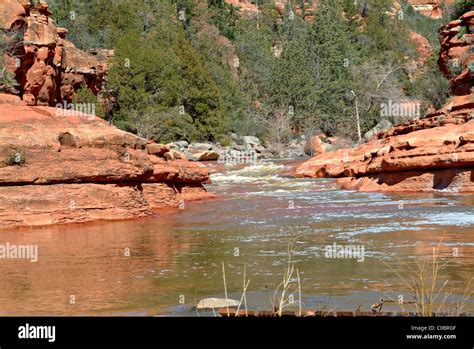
433,153
48,67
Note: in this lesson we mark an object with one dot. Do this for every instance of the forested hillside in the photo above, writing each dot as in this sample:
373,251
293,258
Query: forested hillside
199,70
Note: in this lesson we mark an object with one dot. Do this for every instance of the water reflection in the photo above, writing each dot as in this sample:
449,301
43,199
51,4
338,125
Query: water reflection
146,267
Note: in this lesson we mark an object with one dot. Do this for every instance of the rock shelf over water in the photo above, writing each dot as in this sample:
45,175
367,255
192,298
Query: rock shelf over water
78,168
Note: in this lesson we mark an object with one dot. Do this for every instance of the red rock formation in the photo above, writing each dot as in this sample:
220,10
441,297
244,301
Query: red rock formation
456,58
248,7
433,153
48,68
63,167
429,8
423,47
408,158
245,6
317,147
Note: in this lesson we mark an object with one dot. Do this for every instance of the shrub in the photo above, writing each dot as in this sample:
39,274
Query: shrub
16,158
460,7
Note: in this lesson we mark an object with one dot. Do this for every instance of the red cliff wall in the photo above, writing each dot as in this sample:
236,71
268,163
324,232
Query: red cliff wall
48,68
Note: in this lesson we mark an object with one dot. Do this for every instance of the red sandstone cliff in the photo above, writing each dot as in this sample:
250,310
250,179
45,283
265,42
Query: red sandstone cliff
48,68
433,153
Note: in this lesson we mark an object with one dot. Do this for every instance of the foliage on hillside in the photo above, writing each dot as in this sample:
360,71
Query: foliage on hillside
195,70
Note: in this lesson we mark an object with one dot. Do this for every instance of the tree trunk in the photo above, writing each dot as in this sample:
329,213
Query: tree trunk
359,135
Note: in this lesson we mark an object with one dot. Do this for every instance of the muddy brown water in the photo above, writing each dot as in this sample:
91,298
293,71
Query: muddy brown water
165,264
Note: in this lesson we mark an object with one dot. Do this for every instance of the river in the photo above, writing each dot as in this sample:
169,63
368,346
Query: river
163,265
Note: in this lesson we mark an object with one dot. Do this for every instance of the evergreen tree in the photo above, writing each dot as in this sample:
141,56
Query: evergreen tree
290,83
156,71
332,53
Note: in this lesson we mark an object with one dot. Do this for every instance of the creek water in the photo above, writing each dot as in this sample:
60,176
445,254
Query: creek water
163,265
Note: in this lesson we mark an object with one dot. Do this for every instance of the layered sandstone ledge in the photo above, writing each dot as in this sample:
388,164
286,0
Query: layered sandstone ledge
71,167
432,159
434,153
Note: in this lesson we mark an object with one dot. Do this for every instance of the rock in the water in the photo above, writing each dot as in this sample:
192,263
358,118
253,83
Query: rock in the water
293,153
215,303
266,155
239,147
190,156
182,144
258,148
199,147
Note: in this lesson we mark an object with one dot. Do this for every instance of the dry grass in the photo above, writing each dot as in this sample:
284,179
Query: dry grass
244,293
225,285
285,292
284,295
431,293
243,298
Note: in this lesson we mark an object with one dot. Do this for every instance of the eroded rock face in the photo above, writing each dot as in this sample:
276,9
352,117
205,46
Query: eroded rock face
456,58
422,46
431,159
434,153
430,154
48,68
72,167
